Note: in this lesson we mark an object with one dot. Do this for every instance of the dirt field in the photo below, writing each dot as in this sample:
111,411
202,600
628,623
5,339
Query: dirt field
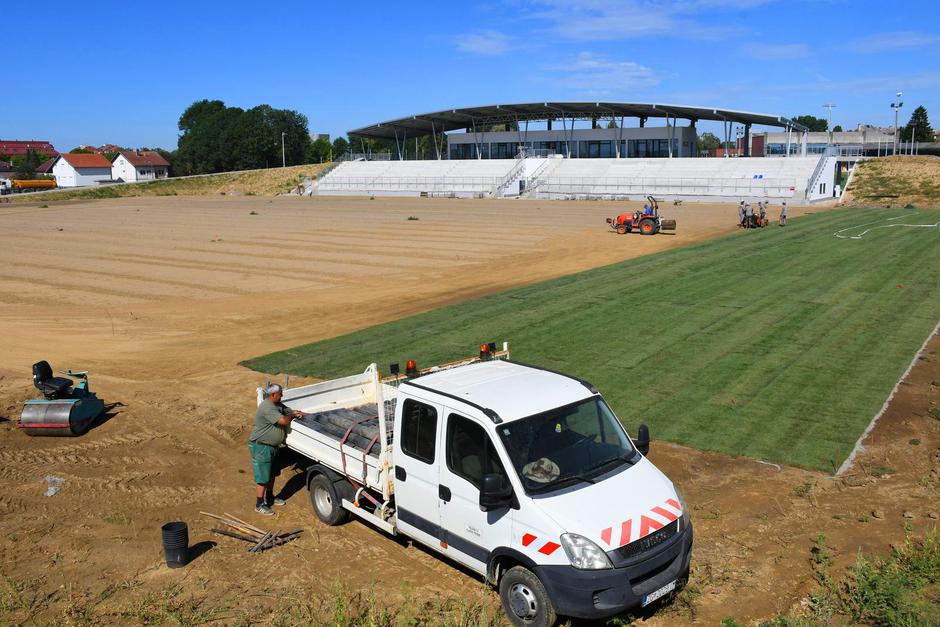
895,182
160,297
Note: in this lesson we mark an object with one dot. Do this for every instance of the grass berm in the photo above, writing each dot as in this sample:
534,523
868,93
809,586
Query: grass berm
778,343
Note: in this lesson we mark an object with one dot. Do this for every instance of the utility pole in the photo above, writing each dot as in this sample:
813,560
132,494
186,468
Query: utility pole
896,105
283,154
829,127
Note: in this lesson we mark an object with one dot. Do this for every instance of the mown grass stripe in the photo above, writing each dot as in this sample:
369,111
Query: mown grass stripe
779,343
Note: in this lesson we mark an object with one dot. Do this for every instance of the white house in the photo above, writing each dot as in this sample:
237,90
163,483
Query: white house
139,165
80,170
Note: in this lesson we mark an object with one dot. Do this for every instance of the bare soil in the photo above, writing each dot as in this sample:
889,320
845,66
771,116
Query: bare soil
895,182
160,299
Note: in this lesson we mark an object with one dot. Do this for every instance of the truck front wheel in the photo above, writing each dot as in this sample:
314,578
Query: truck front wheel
326,502
525,599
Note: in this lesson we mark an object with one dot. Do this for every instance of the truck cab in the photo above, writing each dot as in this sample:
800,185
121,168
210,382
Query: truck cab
526,477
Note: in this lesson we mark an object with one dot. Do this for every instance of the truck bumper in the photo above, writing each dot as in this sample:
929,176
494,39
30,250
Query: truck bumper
603,593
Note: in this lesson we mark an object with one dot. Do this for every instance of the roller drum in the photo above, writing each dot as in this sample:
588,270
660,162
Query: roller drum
53,418
667,225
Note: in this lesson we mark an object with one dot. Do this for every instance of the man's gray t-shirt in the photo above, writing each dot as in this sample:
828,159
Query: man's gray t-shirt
266,429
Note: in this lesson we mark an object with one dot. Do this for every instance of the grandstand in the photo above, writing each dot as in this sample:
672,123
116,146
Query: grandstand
498,154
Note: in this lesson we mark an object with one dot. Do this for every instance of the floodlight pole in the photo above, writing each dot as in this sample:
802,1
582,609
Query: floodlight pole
896,105
829,125
283,153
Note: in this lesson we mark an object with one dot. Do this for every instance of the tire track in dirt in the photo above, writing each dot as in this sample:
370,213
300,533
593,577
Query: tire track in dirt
72,454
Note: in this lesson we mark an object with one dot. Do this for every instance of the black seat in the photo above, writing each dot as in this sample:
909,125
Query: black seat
50,386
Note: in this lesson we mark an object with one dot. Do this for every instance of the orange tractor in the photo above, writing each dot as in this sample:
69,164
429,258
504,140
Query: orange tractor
647,222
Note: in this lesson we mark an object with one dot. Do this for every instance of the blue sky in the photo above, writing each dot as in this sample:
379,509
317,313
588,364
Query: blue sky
122,73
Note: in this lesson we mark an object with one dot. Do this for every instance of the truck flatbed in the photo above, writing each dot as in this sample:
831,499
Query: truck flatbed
359,425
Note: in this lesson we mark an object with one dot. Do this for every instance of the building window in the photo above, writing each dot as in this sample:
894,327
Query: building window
418,430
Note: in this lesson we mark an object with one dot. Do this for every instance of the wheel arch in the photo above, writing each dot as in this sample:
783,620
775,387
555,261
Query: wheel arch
502,559
320,469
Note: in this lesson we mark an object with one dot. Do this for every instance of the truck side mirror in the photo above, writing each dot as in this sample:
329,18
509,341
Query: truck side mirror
643,439
495,493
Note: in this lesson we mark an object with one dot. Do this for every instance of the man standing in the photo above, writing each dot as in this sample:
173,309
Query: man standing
783,214
269,432
748,215
741,213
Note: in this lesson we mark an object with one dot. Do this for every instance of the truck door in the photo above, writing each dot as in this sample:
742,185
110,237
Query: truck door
416,470
468,454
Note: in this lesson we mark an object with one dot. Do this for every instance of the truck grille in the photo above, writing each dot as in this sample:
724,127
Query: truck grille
645,543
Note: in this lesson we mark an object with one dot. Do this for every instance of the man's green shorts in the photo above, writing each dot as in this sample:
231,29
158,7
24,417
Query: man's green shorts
262,459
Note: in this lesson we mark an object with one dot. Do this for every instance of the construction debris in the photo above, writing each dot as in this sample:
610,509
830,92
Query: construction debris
259,539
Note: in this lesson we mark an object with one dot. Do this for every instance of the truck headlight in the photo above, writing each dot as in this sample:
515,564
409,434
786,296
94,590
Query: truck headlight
584,554
684,520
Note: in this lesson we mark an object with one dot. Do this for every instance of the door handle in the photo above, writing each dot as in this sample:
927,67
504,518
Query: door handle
443,492
400,473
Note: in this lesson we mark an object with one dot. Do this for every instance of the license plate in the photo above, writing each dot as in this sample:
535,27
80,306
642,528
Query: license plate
658,594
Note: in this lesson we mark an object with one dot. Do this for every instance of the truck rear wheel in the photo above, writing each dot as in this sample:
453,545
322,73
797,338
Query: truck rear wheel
326,501
525,599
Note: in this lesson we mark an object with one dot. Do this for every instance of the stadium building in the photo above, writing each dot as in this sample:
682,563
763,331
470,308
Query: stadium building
584,150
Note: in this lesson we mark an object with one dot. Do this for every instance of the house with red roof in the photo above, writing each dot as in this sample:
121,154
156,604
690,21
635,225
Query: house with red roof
18,148
139,165
81,170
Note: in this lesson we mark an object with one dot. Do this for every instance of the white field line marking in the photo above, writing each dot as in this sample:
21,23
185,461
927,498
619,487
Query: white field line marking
840,232
871,425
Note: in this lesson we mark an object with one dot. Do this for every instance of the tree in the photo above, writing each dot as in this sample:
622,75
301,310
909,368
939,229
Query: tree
814,124
319,151
918,127
216,138
78,150
340,147
837,128
612,124
707,141
27,164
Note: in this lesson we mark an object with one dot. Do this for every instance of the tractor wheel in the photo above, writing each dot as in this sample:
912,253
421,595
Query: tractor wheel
622,229
647,227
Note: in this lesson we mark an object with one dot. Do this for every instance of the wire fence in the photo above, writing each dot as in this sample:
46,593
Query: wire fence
700,186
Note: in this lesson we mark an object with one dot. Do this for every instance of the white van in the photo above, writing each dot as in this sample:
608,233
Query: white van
519,473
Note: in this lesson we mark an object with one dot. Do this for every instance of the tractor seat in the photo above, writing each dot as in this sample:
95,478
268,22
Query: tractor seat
50,386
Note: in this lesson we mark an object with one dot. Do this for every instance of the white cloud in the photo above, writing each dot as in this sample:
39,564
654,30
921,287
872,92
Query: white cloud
771,52
900,40
593,20
488,42
598,75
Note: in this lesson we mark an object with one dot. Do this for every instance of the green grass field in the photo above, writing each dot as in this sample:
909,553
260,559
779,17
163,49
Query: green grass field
779,344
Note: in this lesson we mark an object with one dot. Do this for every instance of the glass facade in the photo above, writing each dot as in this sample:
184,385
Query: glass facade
781,149
602,149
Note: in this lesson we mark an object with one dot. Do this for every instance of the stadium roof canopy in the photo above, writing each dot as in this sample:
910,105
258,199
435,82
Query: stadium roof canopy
468,117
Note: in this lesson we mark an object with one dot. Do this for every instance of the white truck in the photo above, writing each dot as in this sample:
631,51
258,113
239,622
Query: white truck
522,474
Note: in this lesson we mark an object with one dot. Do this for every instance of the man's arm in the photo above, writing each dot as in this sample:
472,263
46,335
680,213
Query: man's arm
287,414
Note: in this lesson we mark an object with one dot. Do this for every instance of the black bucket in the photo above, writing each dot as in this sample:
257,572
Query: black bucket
176,544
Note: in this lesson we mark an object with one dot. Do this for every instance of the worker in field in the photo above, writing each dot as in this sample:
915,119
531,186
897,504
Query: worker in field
268,434
748,215
762,211
783,214
741,213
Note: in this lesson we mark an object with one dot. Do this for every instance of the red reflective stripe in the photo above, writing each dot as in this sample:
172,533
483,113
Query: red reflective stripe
528,539
605,535
549,548
43,425
674,504
648,525
626,530
664,513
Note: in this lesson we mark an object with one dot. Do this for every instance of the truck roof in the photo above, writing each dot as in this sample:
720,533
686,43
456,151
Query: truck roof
510,389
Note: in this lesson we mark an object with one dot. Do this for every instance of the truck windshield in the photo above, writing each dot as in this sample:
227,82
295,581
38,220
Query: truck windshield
574,443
